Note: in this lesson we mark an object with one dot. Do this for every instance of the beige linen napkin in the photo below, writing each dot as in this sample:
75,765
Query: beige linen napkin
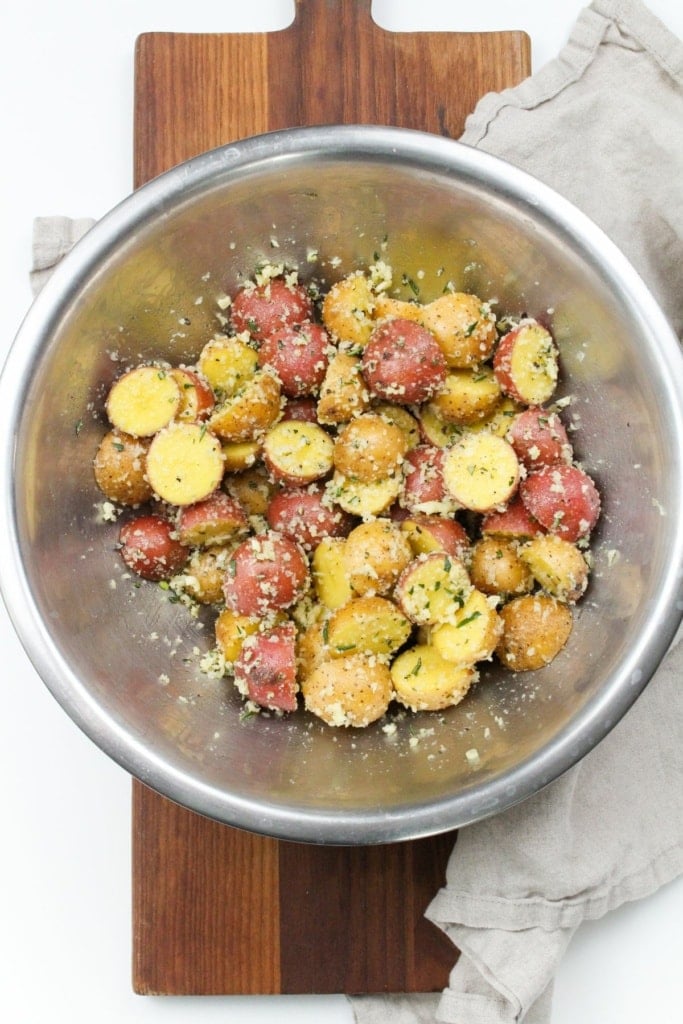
603,124
53,237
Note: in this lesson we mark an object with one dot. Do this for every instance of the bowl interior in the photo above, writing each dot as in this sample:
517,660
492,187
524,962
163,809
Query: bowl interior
125,661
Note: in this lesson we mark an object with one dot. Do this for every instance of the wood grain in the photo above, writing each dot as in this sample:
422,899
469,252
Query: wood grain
332,65
217,910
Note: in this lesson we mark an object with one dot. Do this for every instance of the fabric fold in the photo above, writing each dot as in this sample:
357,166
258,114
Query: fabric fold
601,124
53,238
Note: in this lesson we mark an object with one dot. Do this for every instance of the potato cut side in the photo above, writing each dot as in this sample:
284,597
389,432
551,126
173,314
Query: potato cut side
481,471
184,463
231,632
240,455
467,396
364,500
197,399
433,588
500,420
436,430
227,363
424,681
473,634
298,452
526,364
143,401
533,365
329,573
367,625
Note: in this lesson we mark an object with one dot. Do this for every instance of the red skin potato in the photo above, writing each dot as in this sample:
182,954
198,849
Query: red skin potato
197,400
150,548
503,359
214,520
564,499
299,354
265,670
539,438
448,533
264,309
403,363
267,572
423,479
303,409
304,516
513,522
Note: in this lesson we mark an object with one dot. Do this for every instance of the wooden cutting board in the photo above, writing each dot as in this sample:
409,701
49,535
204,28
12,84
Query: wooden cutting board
217,910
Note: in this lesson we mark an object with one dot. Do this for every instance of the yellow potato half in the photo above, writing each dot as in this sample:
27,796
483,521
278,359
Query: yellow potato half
424,681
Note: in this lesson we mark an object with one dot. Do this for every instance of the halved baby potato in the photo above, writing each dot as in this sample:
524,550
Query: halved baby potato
526,363
433,588
239,455
184,463
197,399
251,487
364,499
297,453
232,630
497,567
227,363
214,520
330,577
143,400
424,681
467,396
438,431
474,633
367,625
481,471
203,576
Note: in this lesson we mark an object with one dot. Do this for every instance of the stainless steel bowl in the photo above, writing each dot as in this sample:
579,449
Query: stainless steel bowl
123,661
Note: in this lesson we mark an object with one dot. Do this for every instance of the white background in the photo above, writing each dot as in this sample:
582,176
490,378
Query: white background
66,79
